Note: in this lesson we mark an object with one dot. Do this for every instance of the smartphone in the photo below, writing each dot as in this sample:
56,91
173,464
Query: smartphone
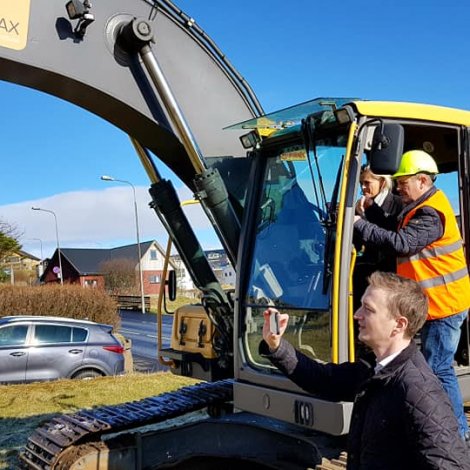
274,323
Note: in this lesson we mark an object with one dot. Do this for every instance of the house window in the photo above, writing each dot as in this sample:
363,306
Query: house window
90,283
155,279
153,255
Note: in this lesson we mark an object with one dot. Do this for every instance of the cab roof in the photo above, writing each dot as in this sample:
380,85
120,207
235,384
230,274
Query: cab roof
414,111
293,115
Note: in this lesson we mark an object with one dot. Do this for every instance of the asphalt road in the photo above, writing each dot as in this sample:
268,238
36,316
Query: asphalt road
141,329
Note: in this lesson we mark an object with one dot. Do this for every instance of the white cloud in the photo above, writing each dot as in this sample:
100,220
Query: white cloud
97,219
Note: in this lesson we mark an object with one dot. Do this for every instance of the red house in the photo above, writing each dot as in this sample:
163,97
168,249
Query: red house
84,265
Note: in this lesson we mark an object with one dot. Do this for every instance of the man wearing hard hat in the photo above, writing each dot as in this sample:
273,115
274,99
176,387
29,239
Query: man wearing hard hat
429,249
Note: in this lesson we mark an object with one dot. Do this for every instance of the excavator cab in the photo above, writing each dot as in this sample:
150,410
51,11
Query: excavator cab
300,257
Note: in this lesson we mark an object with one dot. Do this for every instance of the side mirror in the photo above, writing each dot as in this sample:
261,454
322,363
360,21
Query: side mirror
387,148
171,285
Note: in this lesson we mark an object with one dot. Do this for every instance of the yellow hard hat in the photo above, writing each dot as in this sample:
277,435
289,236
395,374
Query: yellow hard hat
414,162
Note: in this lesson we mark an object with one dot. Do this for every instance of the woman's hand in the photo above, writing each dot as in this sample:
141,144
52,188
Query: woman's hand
362,204
360,207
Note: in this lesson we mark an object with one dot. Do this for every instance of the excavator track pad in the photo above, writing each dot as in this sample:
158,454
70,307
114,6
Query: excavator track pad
46,446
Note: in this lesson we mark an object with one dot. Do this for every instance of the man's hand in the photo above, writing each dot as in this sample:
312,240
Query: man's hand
273,340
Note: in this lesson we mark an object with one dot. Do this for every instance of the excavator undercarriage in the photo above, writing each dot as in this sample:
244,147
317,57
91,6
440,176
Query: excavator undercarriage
56,444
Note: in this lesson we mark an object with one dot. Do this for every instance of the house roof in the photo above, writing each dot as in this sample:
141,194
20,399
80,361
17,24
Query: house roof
25,254
88,260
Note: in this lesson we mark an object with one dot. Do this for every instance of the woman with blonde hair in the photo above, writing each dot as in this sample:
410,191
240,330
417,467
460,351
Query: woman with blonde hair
380,206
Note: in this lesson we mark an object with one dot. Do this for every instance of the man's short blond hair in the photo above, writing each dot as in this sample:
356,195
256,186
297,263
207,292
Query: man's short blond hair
405,298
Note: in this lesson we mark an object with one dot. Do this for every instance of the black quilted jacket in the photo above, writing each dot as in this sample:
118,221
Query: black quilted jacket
402,418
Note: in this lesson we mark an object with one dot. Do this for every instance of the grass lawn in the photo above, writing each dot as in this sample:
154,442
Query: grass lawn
24,407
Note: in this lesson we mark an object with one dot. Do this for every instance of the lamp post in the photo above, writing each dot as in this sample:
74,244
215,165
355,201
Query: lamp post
40,243
57,238
40,267
139,252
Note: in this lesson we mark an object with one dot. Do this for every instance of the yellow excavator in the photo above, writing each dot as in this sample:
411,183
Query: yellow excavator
280,190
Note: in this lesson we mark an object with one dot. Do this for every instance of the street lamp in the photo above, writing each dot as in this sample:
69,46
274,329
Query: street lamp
40,266
139,252
40,242
57,238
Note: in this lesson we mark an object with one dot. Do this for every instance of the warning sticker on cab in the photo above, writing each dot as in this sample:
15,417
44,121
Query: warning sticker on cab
14,19
293,154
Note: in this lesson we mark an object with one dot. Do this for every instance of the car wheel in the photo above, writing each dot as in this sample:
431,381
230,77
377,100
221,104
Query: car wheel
87,374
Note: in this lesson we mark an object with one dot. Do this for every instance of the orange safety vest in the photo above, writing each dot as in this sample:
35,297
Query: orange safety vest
440,267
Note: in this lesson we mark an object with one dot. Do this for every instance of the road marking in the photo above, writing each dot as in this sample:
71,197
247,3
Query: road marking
146,335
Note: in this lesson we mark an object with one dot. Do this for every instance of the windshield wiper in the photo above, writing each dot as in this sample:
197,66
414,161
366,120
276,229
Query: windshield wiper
308,133
328,219
331,230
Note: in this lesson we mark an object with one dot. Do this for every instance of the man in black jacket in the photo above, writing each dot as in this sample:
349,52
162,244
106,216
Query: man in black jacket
428,248
402,418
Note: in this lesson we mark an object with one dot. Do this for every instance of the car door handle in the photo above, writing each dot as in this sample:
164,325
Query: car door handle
75,351
17,354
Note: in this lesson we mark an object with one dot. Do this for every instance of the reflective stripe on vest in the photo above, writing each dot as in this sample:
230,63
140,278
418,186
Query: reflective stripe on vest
440,268
432,252
446,279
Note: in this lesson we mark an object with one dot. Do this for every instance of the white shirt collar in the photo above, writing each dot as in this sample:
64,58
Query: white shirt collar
380,198
386,360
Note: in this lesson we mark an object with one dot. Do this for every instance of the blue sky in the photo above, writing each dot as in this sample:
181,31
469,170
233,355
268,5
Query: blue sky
53,153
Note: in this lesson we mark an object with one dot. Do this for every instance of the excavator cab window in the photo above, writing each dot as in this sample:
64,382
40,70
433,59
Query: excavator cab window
290,245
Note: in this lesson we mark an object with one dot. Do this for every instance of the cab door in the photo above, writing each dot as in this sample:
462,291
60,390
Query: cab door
463,350
464,183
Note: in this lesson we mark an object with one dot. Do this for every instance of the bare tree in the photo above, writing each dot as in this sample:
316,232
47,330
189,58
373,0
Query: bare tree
120,276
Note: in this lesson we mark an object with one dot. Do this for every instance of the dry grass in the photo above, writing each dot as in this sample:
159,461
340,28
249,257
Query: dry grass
24,407
180,301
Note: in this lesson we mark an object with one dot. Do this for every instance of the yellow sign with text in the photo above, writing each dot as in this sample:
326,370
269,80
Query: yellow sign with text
14,22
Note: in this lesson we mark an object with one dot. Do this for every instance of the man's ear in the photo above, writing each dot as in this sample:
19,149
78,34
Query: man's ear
402,325
424,180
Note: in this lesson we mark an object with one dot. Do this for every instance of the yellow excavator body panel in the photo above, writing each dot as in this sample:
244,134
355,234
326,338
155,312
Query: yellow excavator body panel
413,111
193,331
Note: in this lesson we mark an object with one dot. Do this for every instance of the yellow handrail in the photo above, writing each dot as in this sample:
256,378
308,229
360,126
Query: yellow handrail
337,258
161,293
352,349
